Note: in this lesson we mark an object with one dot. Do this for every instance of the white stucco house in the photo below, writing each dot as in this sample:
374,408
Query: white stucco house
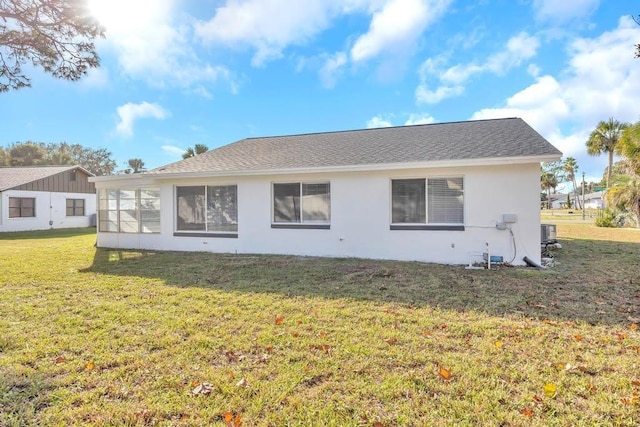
594,200
558,201
435,193
44,197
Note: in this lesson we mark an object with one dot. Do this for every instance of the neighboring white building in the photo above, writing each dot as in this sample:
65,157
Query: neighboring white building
44,197
433,193
558,201
594,200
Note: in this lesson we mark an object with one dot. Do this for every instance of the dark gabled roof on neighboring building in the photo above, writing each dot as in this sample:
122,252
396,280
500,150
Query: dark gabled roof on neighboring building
481,139
16,176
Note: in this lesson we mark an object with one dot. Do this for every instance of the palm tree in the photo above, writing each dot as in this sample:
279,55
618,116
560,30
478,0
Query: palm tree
136,165
604,139
548,180
625,194
570,168
197,149
629,148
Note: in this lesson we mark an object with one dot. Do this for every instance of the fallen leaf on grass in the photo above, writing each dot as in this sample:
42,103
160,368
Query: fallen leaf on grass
633,326
578,337
204,388
550,390
426,333
392,341
326,348
279,320
591,388
231,420
635,383
90,366
59,359
527,412
444,373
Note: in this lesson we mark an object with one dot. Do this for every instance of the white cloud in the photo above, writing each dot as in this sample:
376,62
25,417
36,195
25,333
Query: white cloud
383,121
396,26
449,82
424,95
268,26
150,44
172,150
602,80
378,122
332,69
560,12
130,112
96,78
420,119
541,105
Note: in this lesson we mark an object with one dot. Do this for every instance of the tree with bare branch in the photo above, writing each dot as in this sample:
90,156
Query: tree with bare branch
54,35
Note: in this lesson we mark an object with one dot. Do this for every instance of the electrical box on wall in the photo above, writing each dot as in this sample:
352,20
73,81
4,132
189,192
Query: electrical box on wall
509,218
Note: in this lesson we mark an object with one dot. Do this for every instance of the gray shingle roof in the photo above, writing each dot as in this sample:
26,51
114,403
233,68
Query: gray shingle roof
481,139
14,176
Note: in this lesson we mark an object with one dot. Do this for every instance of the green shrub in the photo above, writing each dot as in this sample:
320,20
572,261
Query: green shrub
607,218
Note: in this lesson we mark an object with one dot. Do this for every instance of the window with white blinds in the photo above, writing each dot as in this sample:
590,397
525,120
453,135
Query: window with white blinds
437,201
446,200
301,203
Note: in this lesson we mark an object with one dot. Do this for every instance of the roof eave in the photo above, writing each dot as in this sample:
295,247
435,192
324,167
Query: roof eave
335,169
74,167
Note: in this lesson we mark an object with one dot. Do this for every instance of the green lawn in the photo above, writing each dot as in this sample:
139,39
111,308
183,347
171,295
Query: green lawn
106,337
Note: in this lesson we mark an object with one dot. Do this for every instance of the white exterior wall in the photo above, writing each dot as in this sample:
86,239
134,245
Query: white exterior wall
361,216
50,206
594,204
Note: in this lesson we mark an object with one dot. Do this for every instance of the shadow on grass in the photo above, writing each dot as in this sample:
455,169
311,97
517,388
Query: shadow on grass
593,281
47,234
22,398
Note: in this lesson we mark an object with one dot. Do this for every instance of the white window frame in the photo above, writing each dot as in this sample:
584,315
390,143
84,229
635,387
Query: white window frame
74,207
205,232
427,225
138,210
302,224
35,211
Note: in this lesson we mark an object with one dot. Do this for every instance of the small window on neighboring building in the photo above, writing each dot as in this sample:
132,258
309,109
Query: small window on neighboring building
22,207
75,207
72,176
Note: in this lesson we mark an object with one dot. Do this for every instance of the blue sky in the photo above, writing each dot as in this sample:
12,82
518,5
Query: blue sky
181,72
